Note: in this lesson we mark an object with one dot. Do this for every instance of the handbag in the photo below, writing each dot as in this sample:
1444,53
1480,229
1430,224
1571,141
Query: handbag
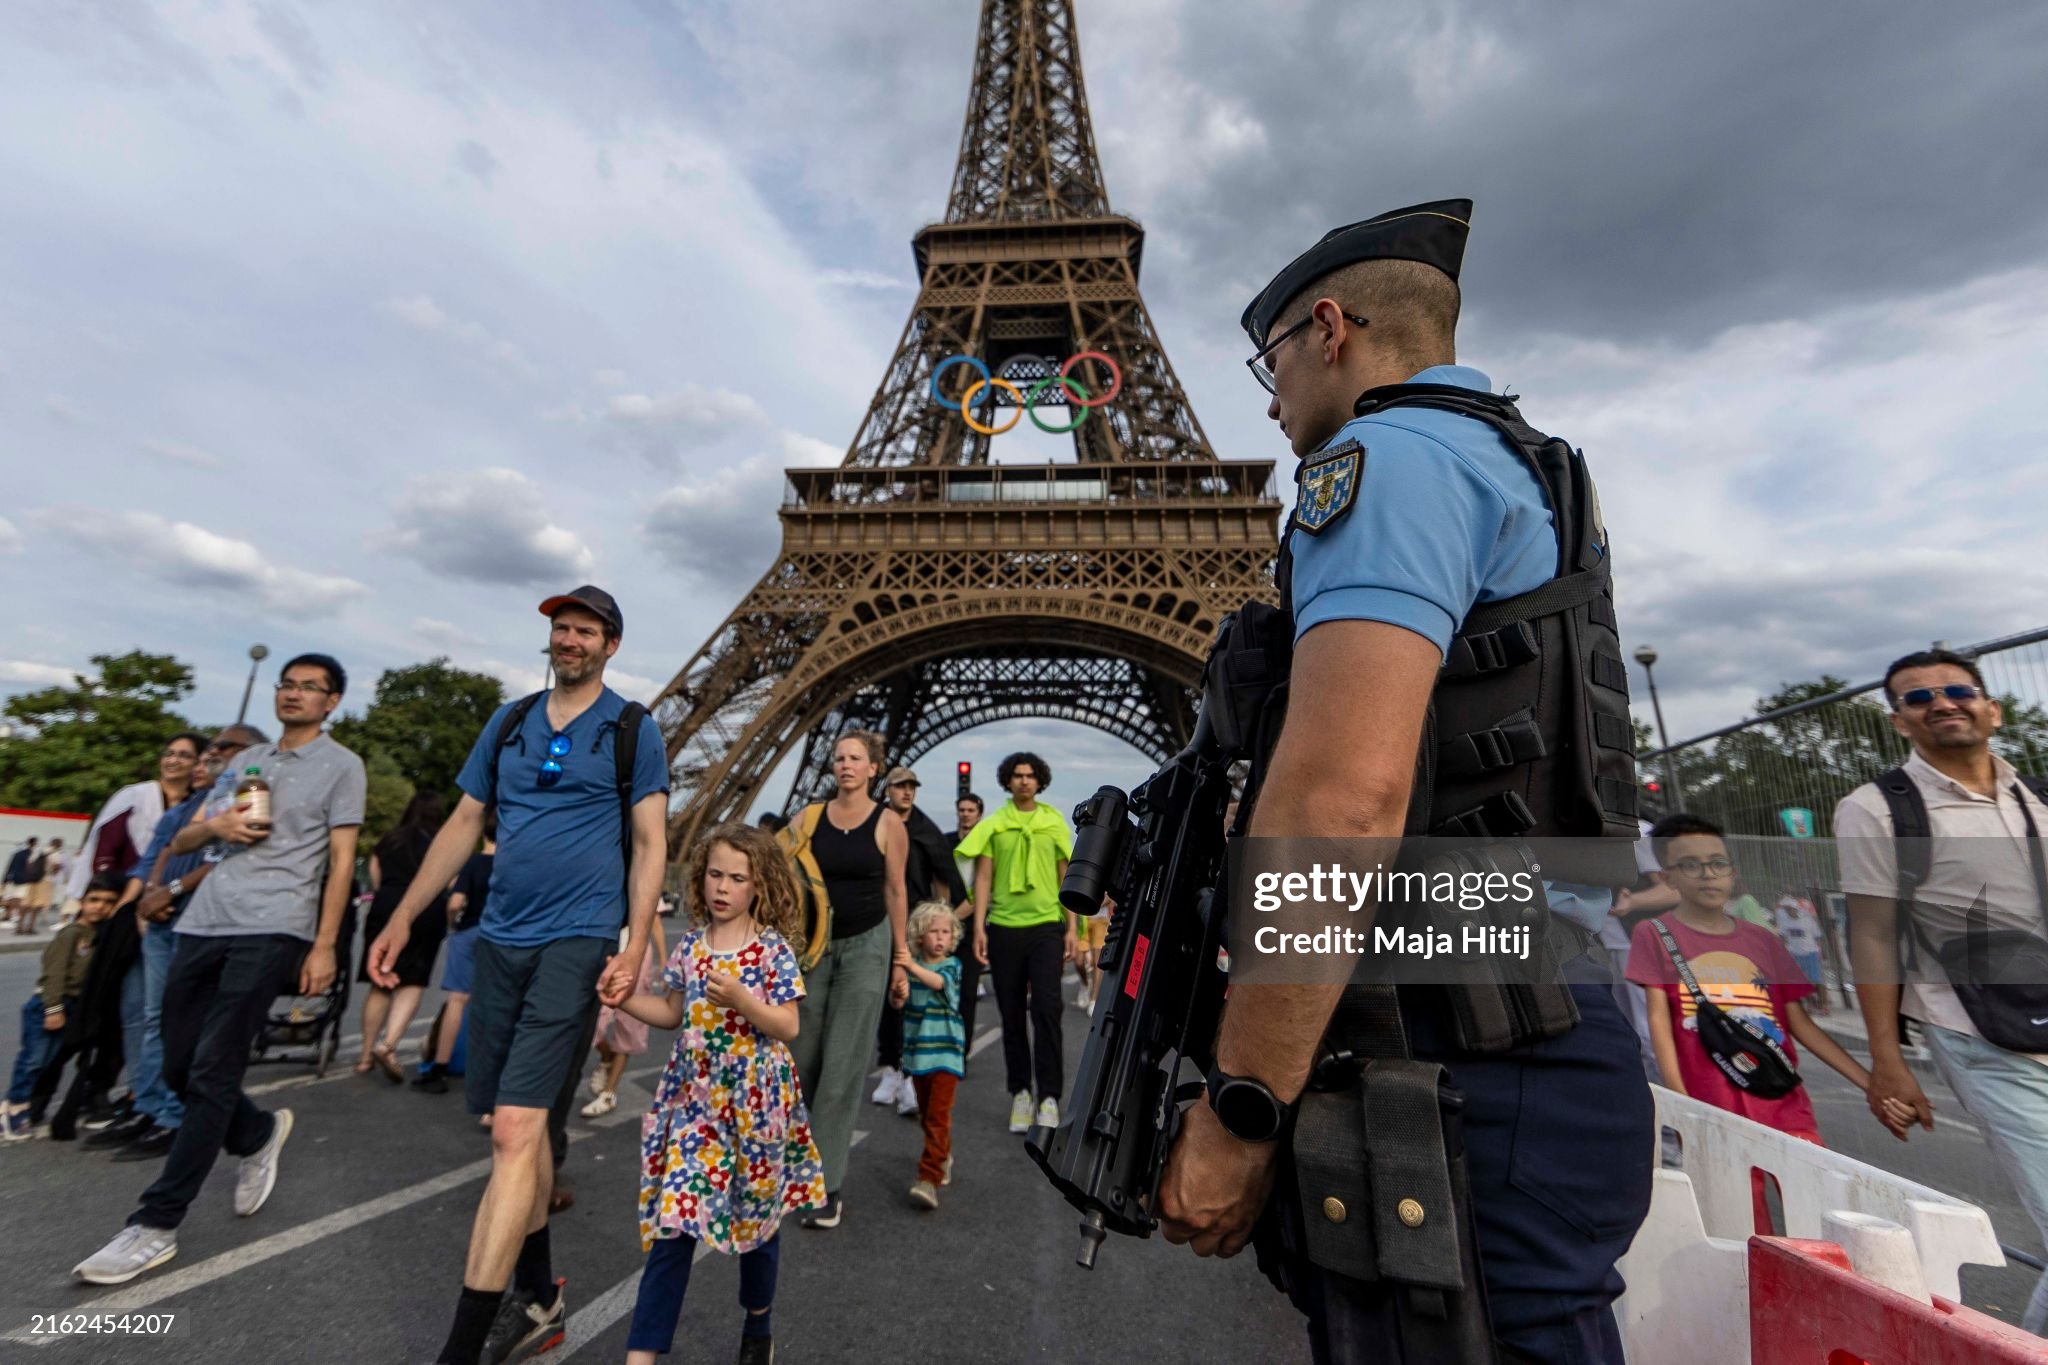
1750,1058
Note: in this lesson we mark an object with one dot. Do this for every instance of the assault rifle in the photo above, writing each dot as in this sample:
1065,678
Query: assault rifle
1159,854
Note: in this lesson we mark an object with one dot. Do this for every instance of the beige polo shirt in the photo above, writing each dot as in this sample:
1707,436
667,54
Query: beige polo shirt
1980,852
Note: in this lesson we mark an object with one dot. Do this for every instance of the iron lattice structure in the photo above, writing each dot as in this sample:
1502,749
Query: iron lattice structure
921,590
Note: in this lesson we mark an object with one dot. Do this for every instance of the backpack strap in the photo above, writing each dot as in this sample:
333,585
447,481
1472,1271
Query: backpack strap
508,730
625,753
1913,850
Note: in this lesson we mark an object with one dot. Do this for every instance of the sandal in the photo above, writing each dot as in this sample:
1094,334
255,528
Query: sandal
364,1067
388,1064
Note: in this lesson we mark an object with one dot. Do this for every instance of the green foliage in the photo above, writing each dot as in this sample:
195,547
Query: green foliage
74,745
384,798
422,723
2023,740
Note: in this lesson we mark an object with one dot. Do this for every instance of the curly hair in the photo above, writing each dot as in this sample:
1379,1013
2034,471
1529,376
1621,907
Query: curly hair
925,916
1008,768
776,905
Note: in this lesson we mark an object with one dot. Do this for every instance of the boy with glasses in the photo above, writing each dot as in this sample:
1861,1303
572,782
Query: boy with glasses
1741,968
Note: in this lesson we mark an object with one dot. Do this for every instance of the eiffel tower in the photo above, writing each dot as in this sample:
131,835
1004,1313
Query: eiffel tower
922,590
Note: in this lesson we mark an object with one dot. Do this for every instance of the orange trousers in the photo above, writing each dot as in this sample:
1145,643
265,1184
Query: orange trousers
935,1112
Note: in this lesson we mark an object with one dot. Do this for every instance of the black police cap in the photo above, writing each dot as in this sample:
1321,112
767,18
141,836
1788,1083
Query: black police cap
1432,233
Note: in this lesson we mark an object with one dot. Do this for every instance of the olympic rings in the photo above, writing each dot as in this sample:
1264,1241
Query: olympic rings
967,401
1075,393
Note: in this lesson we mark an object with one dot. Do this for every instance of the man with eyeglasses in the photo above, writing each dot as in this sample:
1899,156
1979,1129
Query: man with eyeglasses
161,885
1982,876
264,923
1444,574
561,886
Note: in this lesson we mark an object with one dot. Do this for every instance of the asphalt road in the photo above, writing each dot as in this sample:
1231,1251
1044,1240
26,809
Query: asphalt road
358,1254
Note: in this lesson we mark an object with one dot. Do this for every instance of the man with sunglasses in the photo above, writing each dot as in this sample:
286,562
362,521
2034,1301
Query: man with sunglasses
263,924
1985,875
560,888
1444,574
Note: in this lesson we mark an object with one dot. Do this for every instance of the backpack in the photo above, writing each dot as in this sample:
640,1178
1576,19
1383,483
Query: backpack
2009,1014
625,751
794,839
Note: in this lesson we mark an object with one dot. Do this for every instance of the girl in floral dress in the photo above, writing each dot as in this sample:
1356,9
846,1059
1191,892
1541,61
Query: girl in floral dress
726,1151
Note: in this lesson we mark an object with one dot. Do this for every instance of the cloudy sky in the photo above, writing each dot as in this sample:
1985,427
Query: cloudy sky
359,326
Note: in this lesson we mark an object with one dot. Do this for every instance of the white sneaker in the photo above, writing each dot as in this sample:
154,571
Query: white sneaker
597,1079
1020,1112
947,1178
134,1249
258,1172
891,1089
1048,1114
605,1102
906,1099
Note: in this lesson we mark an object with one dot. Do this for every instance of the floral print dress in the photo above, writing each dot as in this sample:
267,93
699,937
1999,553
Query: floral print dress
726,1151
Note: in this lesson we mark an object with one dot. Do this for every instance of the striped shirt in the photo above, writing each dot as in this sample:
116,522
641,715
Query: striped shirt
934,1038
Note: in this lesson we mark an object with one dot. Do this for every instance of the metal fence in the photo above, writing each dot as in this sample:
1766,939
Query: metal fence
1781,774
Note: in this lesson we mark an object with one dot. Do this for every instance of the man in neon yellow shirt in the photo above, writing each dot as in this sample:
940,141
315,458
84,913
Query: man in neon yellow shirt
1021,934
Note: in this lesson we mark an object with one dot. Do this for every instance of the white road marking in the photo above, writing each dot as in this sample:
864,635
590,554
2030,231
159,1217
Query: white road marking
140,1297
597,1317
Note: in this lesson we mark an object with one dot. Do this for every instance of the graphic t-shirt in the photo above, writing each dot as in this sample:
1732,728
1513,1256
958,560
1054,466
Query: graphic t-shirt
1747,973
1798,926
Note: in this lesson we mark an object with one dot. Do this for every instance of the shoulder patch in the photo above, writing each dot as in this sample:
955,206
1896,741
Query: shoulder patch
1329,486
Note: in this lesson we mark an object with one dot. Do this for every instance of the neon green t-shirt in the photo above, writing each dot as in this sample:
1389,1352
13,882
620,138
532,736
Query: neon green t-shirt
1027,849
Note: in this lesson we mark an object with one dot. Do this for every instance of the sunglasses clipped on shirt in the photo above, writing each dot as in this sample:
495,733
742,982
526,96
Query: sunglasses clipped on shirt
1924,696
551,766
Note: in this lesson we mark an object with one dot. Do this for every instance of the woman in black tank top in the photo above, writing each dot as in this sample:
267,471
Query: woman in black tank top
861,847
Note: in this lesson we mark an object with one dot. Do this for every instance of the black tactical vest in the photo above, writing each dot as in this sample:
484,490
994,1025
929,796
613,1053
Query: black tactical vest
1528,731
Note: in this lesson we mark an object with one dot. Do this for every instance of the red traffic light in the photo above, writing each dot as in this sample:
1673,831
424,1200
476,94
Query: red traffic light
966,768
1652,787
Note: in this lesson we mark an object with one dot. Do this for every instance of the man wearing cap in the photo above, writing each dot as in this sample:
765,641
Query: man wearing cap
928,874
548,944
1444,574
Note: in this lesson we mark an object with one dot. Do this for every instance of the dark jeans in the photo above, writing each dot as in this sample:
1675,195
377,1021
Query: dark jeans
970,986
667,1275
215,1001
38,1046
889,1036
1026,962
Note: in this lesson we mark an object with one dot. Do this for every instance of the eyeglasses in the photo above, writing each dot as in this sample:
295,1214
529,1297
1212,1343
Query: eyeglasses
551,766
1712,867
1917,697
310,689
1262,368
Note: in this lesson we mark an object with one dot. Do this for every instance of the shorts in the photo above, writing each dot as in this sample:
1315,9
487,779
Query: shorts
38,896
1095,933
460,961
530,1010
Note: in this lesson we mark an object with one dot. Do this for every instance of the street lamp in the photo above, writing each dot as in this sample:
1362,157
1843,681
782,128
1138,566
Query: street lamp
257,654
1647,657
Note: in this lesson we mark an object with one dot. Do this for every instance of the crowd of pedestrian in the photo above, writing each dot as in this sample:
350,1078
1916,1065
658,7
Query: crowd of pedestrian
809,954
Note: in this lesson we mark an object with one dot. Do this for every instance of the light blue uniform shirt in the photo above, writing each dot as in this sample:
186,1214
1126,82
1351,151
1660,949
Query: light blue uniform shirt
1446,515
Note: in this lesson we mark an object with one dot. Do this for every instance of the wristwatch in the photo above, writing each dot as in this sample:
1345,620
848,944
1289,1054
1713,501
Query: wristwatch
176,887
1248,1111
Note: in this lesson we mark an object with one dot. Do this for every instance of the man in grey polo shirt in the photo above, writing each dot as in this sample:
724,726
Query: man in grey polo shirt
264,922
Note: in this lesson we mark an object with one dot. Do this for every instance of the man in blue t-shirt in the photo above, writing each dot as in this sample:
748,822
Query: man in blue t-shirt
560,887
1407,518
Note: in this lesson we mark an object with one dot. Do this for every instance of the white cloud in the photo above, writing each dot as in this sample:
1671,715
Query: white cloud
863,279
664,428
422,314
489,526
189,556
722,526
10,538
62,408
631,686
34,674
443,634
179,453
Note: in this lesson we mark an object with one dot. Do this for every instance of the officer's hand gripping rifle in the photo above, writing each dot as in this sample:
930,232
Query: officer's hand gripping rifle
1159,854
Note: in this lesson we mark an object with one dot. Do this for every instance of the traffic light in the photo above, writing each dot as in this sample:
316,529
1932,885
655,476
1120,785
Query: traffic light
1652,805
966,771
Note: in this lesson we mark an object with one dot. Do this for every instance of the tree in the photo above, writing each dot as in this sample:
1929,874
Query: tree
75,745
424,720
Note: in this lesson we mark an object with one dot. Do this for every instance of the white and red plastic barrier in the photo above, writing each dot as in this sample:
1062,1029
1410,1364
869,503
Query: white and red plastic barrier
1689,1294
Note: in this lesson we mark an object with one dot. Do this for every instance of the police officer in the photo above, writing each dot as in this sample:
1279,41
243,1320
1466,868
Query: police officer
1446,574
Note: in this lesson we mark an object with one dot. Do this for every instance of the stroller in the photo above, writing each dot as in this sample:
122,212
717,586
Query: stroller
312,1022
